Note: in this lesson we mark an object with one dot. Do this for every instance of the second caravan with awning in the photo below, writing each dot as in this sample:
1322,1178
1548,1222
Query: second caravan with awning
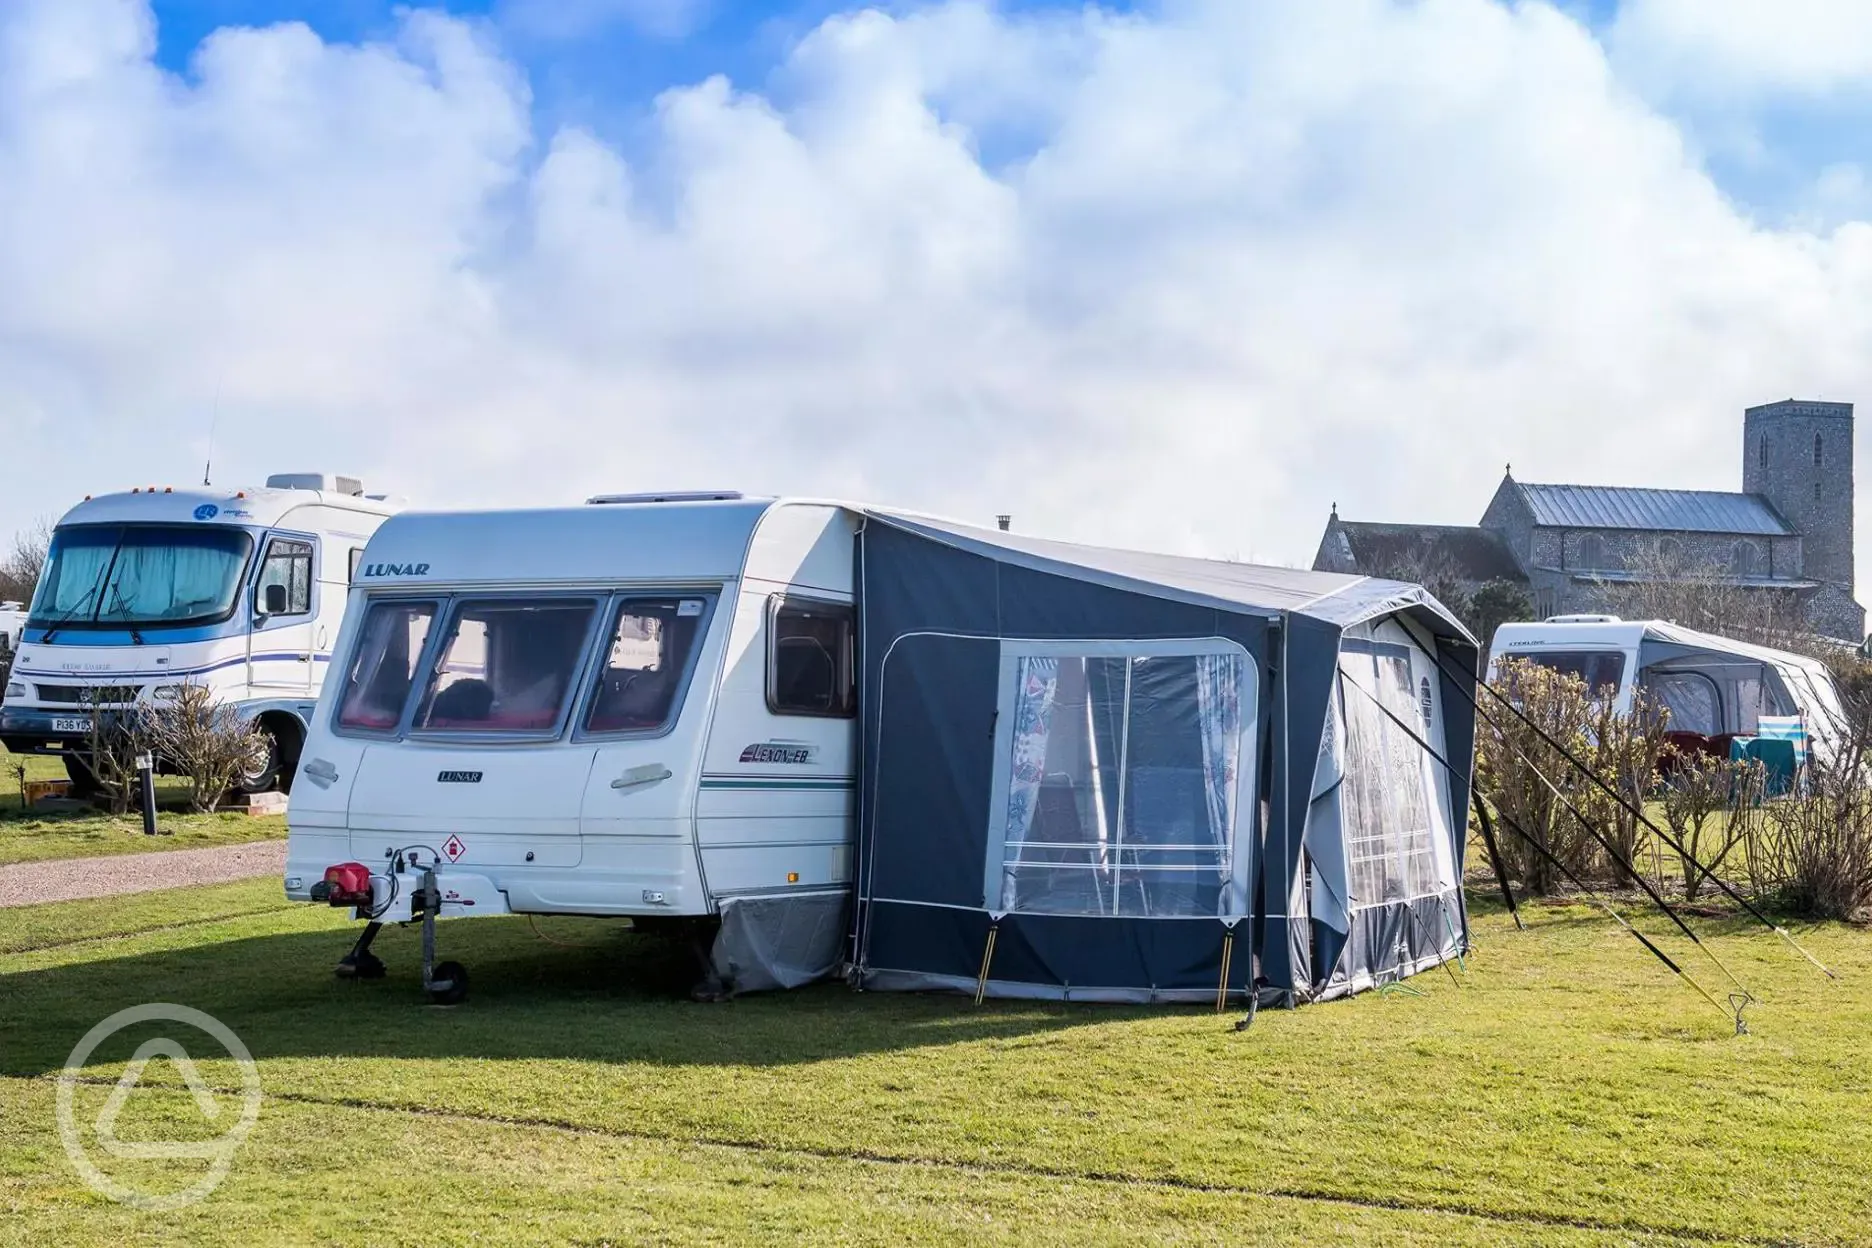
1715,688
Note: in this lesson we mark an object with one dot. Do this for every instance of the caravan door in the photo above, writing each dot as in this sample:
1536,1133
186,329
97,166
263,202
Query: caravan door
643,717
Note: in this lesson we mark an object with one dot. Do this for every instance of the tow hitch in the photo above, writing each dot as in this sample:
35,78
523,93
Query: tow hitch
373,898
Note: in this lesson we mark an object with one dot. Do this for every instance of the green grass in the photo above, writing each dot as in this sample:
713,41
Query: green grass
31,836
1568,1091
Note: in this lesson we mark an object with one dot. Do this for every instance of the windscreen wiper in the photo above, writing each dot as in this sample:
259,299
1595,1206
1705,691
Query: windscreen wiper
117,600
69,616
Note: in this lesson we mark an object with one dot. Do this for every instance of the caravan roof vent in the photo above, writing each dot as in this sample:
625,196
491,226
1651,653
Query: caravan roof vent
1583,619
678,496
325,481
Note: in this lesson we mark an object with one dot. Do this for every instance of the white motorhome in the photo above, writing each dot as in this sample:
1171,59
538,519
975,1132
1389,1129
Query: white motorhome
1714,687
655,690
148,590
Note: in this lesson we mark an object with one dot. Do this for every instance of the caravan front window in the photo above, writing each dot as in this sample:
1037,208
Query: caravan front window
383,665
646,664
506,665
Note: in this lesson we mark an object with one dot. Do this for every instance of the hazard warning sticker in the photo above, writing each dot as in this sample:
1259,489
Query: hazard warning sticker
454,848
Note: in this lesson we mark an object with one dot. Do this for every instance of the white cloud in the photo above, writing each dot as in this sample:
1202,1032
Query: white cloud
1733,51
1249,259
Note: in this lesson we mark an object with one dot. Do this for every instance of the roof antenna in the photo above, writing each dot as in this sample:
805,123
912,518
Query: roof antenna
214,422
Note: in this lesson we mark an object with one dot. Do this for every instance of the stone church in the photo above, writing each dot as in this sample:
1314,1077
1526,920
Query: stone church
1788,533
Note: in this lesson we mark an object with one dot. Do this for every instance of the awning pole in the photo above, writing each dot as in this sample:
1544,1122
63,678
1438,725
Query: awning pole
981,981
1228,950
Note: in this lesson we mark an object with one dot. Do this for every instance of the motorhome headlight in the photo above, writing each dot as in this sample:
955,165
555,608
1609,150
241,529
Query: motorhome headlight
166,693
15,690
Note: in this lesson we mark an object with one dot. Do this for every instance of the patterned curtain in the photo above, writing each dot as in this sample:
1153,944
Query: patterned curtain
1218,703
1033,719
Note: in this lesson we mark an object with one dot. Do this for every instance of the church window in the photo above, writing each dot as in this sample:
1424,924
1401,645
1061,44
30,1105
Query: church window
1591,551
1818,454
1761,453
1745,559
1816,491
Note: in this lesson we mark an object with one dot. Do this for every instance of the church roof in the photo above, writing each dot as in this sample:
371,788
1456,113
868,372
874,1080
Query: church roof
1472,554
1680,511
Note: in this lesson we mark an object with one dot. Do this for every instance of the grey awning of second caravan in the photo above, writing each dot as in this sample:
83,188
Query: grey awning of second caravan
1326,596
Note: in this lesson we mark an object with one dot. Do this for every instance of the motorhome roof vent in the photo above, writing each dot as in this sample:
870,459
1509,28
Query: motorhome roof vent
325,481
678,496
1583,619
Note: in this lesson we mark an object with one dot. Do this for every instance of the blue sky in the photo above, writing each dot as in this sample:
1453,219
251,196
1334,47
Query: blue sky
601,62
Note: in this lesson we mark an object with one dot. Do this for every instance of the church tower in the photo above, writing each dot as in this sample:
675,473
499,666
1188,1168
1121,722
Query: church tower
1799,456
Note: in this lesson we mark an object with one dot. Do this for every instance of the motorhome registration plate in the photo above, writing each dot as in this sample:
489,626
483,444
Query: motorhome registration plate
71,725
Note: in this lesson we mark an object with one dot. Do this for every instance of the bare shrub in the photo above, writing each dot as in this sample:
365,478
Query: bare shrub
115,738
207,741
1510,752
21,565
1822,843
1624,750
1712,808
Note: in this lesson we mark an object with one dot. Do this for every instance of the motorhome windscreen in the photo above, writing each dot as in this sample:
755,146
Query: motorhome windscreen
506,665
1602,670
651,641
139,576
383,665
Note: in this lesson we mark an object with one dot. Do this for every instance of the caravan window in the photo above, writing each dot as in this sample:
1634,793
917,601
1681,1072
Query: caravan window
1125,775
646,664
383,665
809,658
1602,670
507,665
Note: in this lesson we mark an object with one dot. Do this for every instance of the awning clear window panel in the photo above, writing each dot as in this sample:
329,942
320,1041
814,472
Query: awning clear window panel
1391,816
1125,775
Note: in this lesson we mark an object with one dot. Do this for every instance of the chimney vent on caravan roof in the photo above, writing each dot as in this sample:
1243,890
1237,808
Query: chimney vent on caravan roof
678,496
325,481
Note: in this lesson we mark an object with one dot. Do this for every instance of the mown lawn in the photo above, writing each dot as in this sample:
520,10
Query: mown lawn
1567,1091
31,836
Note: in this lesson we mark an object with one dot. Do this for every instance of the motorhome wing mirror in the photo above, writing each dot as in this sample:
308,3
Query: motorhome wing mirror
273,600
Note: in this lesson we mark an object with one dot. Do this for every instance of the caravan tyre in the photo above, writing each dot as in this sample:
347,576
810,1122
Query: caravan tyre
265,774
84,781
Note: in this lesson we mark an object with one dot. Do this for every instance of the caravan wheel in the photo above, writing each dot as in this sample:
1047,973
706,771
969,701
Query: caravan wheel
264,776
84,781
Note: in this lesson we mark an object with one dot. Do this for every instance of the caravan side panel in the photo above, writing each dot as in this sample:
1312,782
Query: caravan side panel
775,809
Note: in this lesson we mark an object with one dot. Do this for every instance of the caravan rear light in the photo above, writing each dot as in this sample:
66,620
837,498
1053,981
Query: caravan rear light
347,884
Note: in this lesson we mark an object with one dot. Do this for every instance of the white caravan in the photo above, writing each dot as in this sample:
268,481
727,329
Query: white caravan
1714,687
145,591
641,707
12,623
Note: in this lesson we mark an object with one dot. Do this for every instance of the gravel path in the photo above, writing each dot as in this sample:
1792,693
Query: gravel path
68,879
